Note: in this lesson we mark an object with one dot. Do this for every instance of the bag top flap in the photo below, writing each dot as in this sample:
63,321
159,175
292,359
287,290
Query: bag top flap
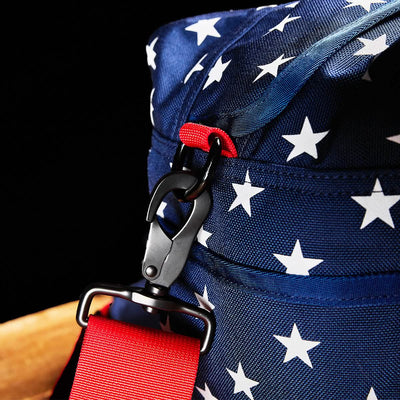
266,73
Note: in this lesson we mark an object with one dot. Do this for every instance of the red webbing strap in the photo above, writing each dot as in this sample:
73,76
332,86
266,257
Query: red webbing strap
121,361
197,135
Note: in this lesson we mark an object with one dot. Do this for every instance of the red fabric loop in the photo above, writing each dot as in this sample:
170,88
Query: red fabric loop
121,361
197,135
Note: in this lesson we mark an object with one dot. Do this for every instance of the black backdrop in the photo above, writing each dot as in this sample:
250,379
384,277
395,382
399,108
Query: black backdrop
74,144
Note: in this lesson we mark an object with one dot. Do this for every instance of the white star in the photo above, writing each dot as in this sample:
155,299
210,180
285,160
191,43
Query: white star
281,26
268,6
372,47
167,326
161,208
151,54
292,5
296,346
203,300
204,28
198,67
216,72
272,67
242,383
152,107
395,138
183,168
296,264
202,236
366,4
206,393
244,192
372,395
305,141
377,205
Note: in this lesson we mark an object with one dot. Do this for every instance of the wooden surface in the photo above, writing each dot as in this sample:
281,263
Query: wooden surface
35,348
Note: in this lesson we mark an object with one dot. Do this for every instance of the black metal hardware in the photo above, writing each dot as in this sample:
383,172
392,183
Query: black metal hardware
144,298
204,176
165,257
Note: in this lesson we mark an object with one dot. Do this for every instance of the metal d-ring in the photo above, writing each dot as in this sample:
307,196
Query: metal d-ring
144,298
205,174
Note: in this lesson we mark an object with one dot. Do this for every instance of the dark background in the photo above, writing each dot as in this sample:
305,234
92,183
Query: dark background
75,134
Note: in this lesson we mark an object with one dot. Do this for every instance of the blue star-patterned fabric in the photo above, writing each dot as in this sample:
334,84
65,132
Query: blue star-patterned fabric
299,257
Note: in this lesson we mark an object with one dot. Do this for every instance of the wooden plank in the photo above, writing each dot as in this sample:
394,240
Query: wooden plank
35,348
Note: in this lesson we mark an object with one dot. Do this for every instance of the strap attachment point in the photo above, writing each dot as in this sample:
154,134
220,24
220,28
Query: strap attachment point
206,172
144,298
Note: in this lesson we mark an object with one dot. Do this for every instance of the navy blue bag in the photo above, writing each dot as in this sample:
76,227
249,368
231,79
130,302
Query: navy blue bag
299,256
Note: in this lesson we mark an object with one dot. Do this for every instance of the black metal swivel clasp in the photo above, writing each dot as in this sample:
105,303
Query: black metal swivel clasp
166,255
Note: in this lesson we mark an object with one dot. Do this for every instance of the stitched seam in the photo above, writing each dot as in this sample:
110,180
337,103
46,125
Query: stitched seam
268,169
214,272
316,194
321,175
340,177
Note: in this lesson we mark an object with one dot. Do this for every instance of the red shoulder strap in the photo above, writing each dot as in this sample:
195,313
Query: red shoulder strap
121,361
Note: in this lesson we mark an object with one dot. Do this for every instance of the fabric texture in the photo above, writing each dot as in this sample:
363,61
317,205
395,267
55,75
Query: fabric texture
299,258
124,361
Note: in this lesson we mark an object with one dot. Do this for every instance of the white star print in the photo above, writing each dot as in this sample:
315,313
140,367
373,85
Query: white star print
372,395
202,236
167,326
242,383
151,54
216,72
198,67
395,138
366,4
204,28
281,26
268,6
203,300
296,346
272,67
206,393
183,168
372,47
296,264
244,192
377,205
292,5
305,141
161,208
151,107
